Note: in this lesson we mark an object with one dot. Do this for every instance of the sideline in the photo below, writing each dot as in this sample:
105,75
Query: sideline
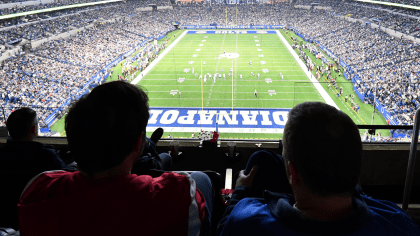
318,87
157,60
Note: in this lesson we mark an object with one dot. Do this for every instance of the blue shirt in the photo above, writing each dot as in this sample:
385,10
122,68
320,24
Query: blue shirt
275,215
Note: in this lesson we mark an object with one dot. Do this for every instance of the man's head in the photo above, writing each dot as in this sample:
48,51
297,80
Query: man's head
105,126
324,146
22,124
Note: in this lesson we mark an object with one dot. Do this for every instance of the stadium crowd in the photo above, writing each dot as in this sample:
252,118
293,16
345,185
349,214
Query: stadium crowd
57,70
387,66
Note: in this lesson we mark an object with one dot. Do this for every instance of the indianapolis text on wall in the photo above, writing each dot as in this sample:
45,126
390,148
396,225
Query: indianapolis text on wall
238,120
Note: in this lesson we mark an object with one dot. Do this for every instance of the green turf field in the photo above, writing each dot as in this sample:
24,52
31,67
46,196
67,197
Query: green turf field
178,63
269,57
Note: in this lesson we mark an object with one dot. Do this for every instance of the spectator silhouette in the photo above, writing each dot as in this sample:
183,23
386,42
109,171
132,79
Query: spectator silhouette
313,188
106,132
21,158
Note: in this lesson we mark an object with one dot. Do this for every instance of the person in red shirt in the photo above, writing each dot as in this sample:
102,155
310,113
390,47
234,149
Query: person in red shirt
106,133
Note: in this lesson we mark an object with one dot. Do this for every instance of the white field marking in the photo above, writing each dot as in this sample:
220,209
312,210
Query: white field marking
318,86
210,57
236,75
237,85
228,180
157,60
151,128
212,84
241,70
229,92
243,80
214,99
271,66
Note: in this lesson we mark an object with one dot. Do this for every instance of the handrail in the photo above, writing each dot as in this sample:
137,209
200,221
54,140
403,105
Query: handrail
384,126
411,162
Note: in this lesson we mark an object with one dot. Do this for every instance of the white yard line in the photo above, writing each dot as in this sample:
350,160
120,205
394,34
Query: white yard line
224,99
317,85
157,60
158,91
212,83
199,85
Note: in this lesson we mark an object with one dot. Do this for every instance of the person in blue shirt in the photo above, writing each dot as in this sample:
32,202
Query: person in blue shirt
312,189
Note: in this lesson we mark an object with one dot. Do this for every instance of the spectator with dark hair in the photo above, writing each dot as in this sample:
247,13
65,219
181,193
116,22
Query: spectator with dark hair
313,188
106,132
21,158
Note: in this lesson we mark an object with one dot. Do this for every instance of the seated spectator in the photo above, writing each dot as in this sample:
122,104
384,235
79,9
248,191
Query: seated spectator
106,136
21,158
314,189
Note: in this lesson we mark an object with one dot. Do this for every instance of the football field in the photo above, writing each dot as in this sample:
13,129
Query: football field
247,69
239,108
222,53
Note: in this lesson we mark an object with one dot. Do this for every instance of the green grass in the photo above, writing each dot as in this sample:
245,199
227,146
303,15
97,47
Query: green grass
296,87
164,77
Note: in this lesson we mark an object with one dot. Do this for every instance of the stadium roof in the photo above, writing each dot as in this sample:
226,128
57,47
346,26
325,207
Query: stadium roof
390,4
56,9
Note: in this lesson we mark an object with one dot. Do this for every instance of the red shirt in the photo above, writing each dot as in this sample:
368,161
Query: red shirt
68,203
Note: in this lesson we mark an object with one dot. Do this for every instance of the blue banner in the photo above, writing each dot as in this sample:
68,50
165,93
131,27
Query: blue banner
384,113
224,117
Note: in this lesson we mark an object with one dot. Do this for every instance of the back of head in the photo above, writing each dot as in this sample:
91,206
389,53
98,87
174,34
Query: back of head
325,146
20,122
103,127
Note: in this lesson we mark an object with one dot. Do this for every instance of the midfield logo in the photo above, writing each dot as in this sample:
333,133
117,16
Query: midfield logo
271,92
180,80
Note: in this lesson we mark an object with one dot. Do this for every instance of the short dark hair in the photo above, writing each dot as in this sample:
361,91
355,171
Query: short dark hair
19,123
103,127
325,146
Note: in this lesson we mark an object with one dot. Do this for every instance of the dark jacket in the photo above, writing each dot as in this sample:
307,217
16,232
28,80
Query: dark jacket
19,163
